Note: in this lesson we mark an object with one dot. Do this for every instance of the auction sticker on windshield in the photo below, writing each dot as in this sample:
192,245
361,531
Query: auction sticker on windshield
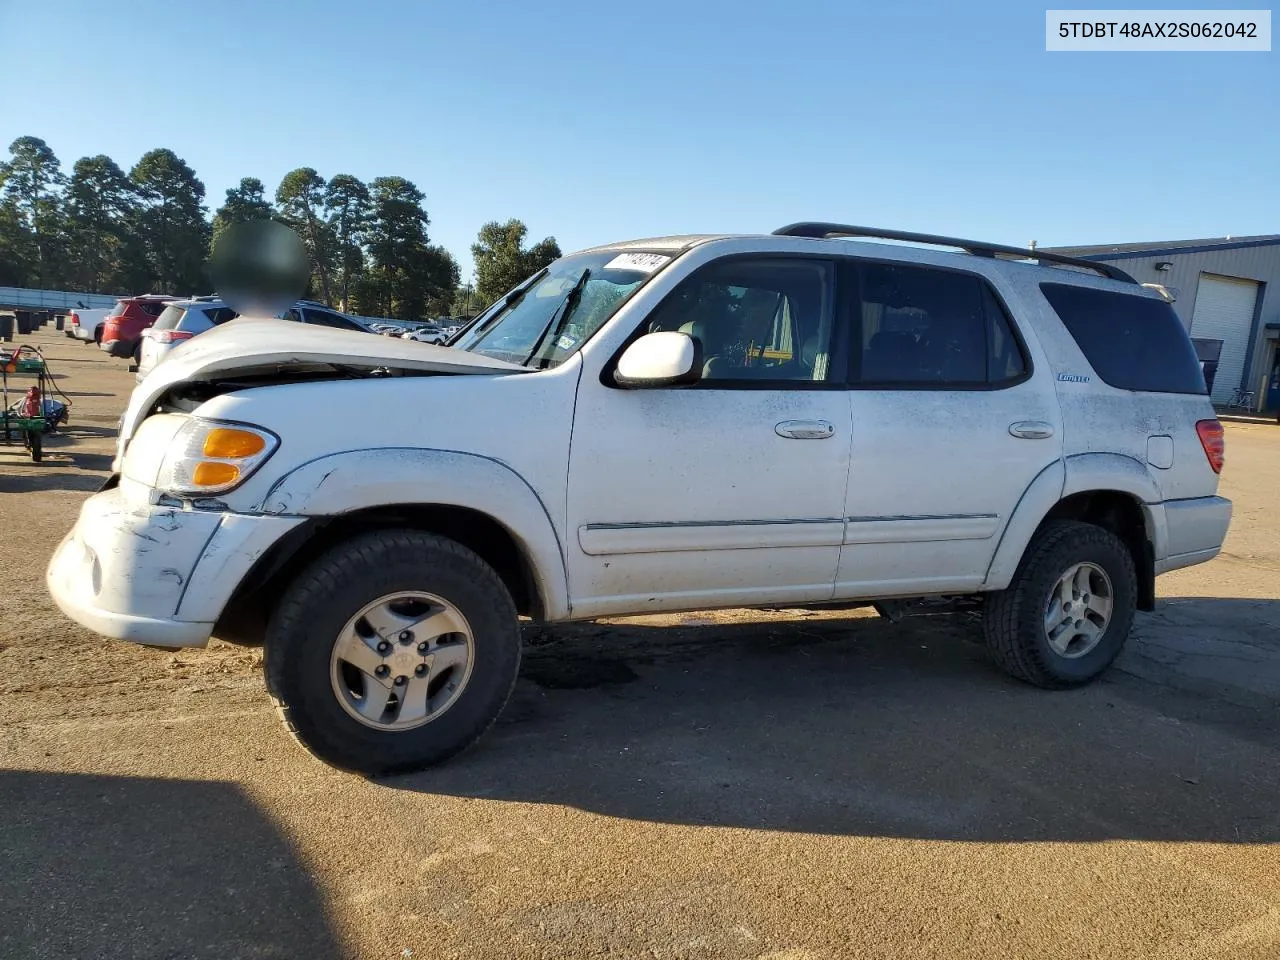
644,262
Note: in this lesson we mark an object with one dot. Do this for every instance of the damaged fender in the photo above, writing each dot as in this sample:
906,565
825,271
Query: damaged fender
389,476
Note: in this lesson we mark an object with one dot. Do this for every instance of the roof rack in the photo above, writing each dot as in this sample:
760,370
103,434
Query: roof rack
818,230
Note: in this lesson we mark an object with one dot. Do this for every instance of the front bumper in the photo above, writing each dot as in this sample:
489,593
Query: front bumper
155,575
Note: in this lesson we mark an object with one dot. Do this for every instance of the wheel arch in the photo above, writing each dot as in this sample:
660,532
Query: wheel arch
244,618
1109,490
1116,511
488,508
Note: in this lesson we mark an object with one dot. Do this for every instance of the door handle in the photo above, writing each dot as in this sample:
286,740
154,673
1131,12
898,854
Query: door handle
804,429
1031,429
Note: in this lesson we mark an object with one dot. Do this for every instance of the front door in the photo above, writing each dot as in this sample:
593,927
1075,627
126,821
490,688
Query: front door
730,491
950,426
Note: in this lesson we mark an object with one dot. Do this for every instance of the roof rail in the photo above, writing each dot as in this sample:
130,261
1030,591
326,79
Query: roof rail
818,230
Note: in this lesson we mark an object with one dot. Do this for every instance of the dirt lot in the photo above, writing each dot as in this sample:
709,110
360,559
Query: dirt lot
742,785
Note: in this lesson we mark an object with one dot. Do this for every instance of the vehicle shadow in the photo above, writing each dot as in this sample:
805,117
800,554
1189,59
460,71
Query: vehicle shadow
101,866
862,727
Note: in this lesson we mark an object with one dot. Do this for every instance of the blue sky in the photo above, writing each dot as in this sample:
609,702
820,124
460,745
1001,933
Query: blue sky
602,121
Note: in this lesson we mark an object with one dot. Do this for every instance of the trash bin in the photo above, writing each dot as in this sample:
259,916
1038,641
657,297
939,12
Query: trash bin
24,322
58,321
6,327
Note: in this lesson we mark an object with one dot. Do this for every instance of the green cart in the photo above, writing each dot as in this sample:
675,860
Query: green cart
25,361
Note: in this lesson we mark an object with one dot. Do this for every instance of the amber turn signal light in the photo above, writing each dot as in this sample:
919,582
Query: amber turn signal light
231,444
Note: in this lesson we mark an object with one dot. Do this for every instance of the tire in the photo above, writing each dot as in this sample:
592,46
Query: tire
136,357
312,686
1014,620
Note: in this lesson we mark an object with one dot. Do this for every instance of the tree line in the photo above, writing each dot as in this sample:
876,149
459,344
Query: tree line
102,230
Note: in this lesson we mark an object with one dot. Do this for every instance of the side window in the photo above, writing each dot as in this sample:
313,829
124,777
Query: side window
1133,341
757,320
294,315
932,328
219,315
1005,361
325,319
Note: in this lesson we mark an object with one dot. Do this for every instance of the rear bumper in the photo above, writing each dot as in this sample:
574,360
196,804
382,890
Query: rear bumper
1193,531
118,348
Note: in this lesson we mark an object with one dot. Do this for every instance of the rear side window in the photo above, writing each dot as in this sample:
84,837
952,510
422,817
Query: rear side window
170,317
152,308
325,319
922,327
1132,342
219,315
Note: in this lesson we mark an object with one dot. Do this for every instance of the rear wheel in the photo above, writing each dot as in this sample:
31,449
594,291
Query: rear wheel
1068,611
393,651
137,357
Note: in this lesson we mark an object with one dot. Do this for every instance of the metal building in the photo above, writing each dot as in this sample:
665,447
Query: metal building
1228,295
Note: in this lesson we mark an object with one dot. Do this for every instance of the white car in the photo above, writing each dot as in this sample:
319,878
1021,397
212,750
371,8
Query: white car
675,424
425,334
86,325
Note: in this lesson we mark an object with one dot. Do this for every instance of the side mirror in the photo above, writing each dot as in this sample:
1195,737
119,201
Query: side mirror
665,359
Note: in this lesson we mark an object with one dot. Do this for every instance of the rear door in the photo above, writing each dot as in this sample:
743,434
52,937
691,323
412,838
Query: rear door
952,421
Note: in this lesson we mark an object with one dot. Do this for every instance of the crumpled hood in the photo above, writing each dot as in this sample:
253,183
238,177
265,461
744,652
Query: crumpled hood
251,345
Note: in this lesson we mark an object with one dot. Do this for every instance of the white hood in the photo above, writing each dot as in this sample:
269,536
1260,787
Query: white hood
251,345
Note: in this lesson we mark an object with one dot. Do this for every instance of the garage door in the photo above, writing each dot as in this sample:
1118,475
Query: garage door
1224,311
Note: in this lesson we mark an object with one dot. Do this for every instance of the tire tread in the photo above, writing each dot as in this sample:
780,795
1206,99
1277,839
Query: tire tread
1005,618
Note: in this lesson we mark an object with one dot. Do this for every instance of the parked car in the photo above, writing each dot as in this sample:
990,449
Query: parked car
184,319
122,330
427,333
673,424
86,325
178,322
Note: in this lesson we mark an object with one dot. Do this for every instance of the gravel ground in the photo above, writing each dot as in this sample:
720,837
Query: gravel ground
789,786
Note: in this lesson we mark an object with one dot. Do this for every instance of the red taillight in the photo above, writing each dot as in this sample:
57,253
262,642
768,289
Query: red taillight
75,319
169,336
1214,443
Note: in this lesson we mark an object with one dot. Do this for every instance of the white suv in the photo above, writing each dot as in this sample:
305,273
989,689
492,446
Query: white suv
672,424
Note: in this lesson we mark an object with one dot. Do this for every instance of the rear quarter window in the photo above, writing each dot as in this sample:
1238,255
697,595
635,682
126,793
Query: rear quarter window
170,317
1133,342
219,315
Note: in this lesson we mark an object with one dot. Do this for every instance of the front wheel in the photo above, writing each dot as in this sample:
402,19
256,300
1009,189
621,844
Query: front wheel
393,651
1068,611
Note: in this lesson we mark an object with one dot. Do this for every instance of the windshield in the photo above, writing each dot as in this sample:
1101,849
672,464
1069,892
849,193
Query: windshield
543,323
